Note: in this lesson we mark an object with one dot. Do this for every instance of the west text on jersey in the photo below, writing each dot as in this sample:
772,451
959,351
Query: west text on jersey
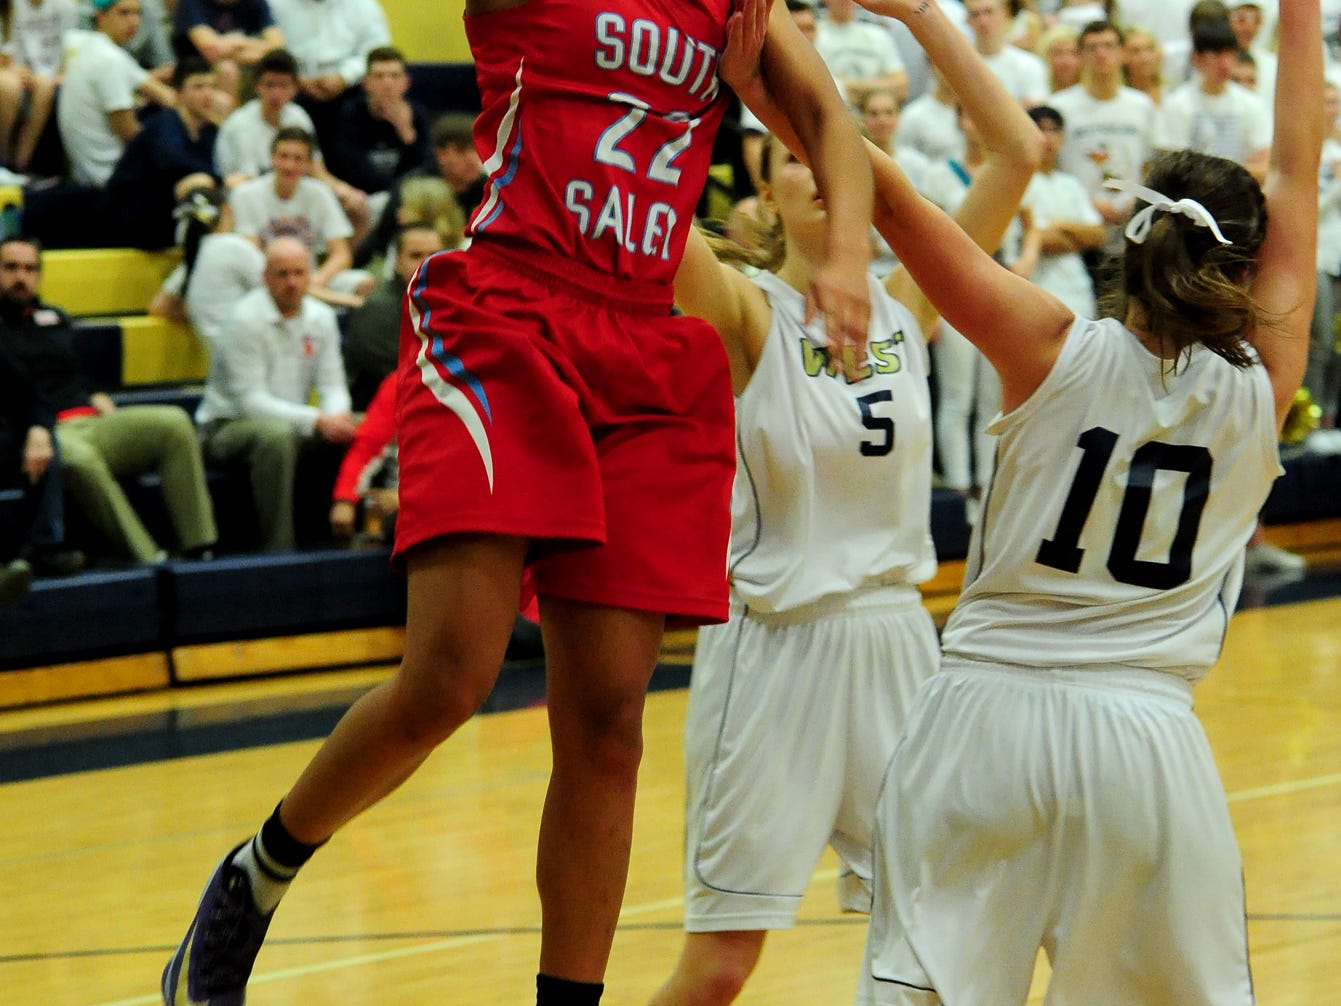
884,359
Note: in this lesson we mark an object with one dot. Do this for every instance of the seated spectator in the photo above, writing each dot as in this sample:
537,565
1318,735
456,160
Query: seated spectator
1212,114
99,93
455,160
372,339
218,267
288,201
331,40
930,124
860,55
149,45
1060,48
381,135
279,347
1142,64
367,475
100,443
1063,224
242,151
1024,74
172,152
34,54
229,35
35,542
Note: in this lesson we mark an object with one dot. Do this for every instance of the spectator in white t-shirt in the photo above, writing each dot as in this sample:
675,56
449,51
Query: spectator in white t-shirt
1024,74
242,151
99,93
862,56
1108,126
1212,114
289,202
1063,223
930,123
36,55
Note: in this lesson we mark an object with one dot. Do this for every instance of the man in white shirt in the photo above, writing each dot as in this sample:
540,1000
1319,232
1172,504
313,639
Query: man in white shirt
279,348
862,56
96,110
1023,73
289,202
1108,131
1211,114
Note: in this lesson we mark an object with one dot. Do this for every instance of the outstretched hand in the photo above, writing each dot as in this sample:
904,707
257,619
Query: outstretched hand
745,31
841,293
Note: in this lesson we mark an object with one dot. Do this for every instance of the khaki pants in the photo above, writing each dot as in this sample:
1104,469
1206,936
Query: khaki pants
96,451
269,449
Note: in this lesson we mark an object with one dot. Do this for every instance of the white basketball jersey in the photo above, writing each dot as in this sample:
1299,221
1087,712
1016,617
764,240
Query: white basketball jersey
1115,525
833,479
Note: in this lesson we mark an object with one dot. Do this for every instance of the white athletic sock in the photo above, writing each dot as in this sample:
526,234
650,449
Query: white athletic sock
269,880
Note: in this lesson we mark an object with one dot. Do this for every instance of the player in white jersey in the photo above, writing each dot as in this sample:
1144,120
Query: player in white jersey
796,703
1052,787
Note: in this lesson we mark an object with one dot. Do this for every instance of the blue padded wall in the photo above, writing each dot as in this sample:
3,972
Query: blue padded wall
91,615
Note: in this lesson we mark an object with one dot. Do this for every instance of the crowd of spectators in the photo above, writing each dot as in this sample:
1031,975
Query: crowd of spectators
276,143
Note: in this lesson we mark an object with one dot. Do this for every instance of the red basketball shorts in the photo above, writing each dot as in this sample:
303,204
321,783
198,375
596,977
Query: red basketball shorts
540,400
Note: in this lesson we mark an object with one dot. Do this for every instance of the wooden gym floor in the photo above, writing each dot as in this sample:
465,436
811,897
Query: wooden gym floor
429,897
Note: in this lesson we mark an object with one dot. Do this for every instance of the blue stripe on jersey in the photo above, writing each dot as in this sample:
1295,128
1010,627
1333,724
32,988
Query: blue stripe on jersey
513,159
509,139
449,362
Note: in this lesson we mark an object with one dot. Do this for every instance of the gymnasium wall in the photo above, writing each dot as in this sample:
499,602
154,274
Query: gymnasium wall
428,31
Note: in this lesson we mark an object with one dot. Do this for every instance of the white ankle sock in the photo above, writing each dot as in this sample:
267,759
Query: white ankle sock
269,880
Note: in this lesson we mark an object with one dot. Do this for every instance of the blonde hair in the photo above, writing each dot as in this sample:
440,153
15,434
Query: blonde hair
430,201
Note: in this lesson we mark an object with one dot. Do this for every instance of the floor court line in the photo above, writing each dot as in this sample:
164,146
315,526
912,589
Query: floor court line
633,911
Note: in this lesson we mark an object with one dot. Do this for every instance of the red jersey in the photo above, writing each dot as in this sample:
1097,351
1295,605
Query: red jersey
597,127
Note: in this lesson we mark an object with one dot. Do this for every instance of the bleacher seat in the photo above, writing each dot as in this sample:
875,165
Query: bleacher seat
104,281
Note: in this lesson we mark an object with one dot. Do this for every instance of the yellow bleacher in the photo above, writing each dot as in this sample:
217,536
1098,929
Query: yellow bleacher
115,285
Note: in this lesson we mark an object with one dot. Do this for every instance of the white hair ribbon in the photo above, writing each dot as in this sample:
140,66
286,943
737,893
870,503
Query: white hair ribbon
1138,227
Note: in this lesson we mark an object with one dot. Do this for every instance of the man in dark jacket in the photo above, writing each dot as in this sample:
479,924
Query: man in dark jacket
100,443
28,460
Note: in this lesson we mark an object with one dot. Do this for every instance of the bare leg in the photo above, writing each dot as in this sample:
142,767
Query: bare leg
463,595
11,95
39,111
712,969
598,661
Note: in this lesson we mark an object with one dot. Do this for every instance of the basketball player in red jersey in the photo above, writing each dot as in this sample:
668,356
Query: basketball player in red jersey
553,413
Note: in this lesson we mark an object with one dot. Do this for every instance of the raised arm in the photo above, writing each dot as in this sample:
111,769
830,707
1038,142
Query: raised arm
1012,143
719,294
788,74
1018,327
1283,285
